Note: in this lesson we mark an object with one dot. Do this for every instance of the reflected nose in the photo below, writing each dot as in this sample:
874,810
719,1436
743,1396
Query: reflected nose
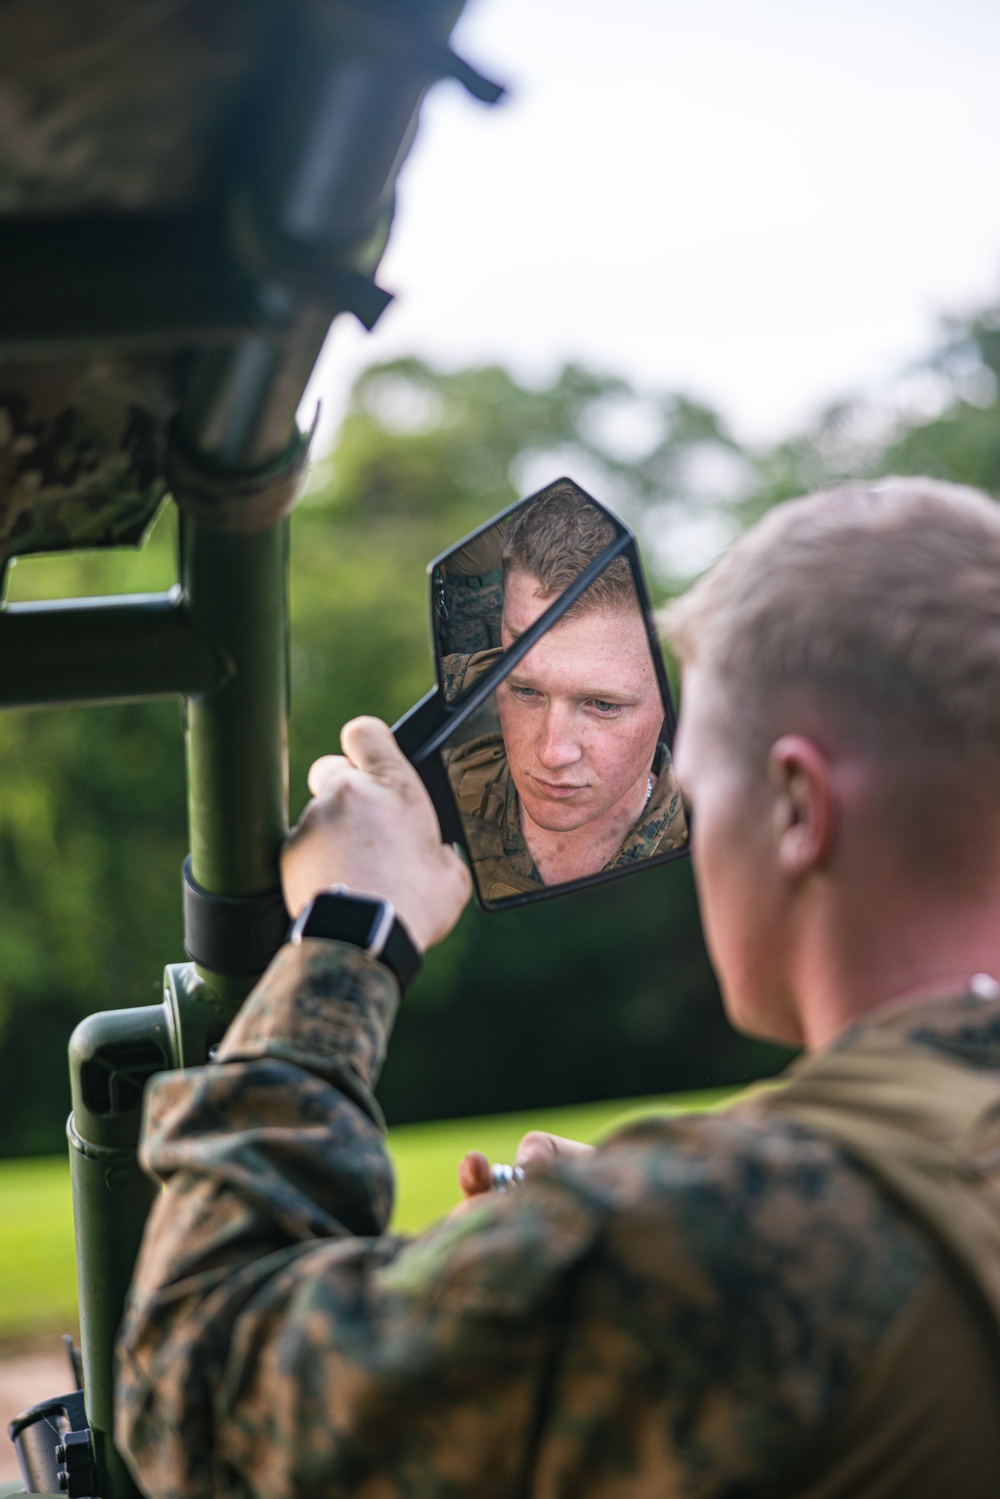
557,747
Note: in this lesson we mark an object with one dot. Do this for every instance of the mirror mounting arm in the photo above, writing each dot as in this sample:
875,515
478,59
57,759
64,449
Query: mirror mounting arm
413,732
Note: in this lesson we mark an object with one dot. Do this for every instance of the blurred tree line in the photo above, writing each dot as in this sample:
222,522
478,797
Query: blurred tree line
603,994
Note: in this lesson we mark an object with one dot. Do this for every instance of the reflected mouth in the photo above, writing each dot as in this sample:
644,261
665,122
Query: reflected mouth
556,789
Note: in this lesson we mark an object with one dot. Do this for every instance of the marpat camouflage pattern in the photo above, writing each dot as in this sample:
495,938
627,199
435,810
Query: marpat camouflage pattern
468,621
81,453
113,109
692,1311
118,107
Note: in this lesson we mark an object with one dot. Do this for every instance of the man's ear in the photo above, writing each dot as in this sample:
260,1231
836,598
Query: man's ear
804,812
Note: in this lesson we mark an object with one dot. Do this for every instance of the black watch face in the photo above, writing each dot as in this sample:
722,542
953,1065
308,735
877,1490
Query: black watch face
347,918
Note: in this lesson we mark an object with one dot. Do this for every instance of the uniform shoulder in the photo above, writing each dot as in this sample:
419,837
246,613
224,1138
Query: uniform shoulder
485,749
461,669
738,1162
790,1248
742,1276
477,772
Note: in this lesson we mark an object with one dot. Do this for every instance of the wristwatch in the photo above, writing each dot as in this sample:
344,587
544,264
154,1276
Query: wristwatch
365,921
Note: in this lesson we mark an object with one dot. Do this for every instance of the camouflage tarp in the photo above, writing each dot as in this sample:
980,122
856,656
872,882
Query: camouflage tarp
113,106
120,103
150,109
81,461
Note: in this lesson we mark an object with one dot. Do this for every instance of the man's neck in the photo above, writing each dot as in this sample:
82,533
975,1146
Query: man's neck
929,951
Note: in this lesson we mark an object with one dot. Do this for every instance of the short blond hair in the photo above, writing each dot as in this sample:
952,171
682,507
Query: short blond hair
880,599
554,536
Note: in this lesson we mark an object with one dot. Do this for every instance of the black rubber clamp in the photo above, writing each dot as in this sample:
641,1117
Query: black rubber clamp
234,935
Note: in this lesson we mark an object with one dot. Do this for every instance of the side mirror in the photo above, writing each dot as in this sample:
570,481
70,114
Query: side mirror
546,744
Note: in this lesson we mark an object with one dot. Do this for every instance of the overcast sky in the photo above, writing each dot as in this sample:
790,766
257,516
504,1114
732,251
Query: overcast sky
767,203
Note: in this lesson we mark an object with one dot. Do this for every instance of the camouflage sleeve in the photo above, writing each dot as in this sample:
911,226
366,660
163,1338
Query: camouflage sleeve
276,1340
655,1319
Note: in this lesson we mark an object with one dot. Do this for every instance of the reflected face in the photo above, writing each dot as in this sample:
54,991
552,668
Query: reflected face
581,714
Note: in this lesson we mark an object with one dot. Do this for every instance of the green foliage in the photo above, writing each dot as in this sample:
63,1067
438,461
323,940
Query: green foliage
962,442
604,993
941,418
92,836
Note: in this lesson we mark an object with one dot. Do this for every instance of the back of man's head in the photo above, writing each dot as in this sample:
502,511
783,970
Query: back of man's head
877,601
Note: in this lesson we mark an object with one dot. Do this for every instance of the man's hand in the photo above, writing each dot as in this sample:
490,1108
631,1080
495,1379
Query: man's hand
373,828
535,1149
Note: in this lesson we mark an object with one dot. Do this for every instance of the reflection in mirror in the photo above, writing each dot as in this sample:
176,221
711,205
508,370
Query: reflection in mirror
468,600
564,773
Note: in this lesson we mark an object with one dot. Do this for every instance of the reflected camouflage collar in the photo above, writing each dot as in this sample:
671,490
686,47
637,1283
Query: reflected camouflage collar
661,827
514,846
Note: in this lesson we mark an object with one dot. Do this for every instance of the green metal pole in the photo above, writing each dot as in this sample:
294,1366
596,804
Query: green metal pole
105,650
237,737
236,598
239,417
112,1055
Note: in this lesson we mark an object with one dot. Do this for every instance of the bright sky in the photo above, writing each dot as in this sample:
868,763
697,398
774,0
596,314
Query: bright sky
767,203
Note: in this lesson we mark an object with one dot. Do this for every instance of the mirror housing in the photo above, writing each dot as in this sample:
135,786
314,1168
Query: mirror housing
594,673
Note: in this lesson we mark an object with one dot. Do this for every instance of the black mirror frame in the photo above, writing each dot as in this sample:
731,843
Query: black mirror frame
423,732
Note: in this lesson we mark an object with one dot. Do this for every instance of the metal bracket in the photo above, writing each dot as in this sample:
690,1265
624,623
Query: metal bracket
54,1449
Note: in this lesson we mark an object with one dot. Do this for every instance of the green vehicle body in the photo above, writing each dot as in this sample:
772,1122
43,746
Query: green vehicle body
219,188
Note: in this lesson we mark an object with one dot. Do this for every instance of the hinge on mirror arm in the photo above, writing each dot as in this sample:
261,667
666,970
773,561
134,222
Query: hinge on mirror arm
54,1448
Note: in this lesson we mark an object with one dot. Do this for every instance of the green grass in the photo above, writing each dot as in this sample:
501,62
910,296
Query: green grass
37,1268
427,1155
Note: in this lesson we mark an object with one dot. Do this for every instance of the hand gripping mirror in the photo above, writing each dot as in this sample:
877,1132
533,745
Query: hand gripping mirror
546,744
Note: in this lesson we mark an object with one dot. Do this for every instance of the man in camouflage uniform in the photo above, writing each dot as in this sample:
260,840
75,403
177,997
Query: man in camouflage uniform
797,1296
568,775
